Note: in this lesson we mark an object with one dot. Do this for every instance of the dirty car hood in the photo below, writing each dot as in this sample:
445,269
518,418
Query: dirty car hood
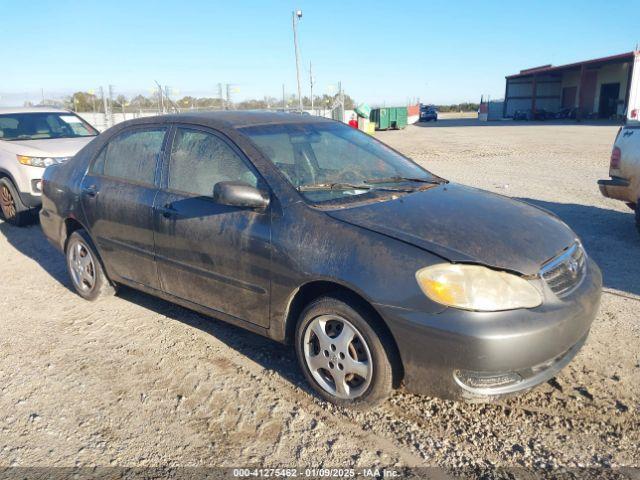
463,224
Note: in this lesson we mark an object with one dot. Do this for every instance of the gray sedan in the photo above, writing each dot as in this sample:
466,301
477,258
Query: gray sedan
315,234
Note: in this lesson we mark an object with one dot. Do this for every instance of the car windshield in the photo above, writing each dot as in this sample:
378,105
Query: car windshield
331,161
43,125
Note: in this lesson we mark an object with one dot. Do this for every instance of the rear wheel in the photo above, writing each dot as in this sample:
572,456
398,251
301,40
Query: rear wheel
85,269
344,358
13,210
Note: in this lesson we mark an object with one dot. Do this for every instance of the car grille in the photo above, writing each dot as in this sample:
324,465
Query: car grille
565,272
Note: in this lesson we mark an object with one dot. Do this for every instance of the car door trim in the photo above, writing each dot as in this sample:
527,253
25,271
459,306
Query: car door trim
215,276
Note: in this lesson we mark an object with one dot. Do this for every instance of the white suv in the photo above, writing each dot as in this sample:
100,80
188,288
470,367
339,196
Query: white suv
30,140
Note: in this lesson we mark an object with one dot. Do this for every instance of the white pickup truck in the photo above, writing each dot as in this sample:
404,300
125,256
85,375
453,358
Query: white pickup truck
624,168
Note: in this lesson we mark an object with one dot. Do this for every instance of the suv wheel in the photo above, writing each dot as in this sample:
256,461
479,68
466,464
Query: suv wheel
85,269
343,357
13,210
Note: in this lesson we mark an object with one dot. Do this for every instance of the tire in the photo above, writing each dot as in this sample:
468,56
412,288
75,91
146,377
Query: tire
85,268
326,360
13,210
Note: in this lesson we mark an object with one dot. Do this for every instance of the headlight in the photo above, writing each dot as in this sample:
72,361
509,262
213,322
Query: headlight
473,287
40,161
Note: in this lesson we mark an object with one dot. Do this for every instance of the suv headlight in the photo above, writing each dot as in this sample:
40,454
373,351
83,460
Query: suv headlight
474,287
41,161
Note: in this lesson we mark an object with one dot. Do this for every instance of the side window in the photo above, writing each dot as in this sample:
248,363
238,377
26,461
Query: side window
97,168
133,155
199,160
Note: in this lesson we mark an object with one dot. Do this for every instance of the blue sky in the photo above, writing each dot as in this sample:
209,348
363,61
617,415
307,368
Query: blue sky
439,51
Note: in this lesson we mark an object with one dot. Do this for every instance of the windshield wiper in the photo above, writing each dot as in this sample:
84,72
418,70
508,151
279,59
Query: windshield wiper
332,186
435,180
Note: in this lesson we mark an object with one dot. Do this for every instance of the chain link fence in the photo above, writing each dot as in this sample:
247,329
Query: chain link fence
104,107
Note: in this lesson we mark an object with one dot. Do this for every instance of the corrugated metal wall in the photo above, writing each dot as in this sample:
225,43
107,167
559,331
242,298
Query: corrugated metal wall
520,94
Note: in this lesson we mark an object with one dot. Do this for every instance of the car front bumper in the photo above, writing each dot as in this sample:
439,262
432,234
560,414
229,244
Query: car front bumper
468,355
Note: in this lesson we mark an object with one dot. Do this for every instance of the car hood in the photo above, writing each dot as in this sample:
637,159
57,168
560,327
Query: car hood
49,147
467,225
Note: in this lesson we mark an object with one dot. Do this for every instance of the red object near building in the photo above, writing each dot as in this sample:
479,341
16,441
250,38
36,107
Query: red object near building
353,123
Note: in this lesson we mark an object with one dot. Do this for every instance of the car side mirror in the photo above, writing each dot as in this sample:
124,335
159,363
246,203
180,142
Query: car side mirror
239,194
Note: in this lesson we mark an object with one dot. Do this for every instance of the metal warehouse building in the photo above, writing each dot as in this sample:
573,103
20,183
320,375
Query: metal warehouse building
596,88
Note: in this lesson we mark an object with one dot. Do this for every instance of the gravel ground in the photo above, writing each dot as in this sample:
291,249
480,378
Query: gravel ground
136,381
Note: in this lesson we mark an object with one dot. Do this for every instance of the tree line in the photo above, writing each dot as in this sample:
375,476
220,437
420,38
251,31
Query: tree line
82,101
90,102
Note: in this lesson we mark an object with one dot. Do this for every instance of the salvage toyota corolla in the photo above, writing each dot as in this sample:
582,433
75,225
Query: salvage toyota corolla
313,233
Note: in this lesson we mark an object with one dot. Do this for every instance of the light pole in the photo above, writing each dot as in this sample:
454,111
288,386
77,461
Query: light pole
295,18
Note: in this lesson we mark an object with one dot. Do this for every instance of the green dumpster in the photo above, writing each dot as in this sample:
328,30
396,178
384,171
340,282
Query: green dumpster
398,117
389,117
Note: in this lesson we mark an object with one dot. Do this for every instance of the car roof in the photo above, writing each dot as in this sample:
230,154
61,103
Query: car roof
6,110
232,118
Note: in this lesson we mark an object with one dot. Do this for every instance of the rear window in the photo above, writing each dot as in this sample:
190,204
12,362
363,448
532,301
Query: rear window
43,125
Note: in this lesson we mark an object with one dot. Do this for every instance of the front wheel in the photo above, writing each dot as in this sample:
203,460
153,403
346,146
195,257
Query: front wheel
344,357
13,210
84,267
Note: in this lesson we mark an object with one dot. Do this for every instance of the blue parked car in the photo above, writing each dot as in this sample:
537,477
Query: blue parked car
428,113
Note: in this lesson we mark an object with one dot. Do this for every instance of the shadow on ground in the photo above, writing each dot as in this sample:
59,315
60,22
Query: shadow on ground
474,122
31,242
610,238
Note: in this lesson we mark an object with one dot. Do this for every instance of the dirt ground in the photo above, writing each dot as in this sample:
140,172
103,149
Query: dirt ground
136,381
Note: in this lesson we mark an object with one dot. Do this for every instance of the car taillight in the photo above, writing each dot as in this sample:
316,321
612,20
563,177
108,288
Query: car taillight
615,159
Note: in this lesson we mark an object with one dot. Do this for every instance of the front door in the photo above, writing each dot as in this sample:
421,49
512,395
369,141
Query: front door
117,198
213,255
608,104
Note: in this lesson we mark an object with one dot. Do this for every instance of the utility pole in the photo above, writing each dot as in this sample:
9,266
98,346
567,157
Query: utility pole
166,96
105,106
295,18
111,118
228,95
283,105
341,98
160,99
311,83
220,96
43,96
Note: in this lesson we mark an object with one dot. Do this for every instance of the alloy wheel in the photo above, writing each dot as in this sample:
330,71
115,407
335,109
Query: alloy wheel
81,266
7,203
338,356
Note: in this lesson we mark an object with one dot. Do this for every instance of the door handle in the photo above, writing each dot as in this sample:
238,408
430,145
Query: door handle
168,211
90,191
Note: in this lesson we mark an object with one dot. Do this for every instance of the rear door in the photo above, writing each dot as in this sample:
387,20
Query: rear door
117,197
214,255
